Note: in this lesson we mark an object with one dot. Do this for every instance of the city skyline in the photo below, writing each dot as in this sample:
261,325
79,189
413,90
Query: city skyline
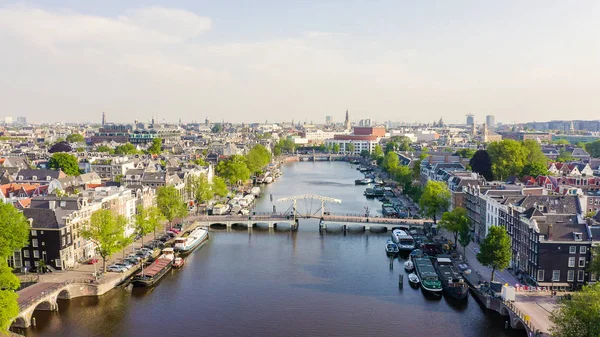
70,61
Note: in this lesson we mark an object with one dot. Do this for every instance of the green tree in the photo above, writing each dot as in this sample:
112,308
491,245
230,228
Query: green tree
595,262
156,147
217,128
465,153
593,148
377,152
365,154
234,169
277,150
561,142
336,148
202,189
435,199
257,158
578,316
564,156
482,163
9,305
169,203
75,138
495,251
455,221
14,230
508,157
390,162
403,143
147,221
219,186
350,148
66,162
535,169
126,149
106,230
416,170
390,147
535,155
464,238
104,148
402,174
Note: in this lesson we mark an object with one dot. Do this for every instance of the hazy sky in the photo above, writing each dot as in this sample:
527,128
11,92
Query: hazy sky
242,61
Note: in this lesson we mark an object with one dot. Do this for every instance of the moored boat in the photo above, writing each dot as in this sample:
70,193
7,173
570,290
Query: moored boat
409,265
178,262
413,278
404,241
429,279
186,244
391,248
453,283
150,275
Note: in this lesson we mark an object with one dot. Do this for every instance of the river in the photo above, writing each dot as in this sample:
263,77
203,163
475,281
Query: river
280,283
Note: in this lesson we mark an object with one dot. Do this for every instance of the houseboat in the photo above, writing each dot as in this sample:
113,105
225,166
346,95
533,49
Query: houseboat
453,283
430,281
148,276
186,244
404,241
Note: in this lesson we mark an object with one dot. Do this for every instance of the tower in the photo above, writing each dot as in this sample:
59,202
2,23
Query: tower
103,118
470,119
347,121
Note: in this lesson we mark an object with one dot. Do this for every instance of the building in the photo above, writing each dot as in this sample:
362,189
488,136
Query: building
328,120
362,139
490,121
470,120
111,168
22,121
347,124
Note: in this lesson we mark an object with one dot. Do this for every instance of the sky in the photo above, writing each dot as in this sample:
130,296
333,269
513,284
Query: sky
278,60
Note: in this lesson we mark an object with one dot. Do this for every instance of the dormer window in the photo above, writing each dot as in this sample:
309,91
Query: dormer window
34,178
48,178
577,236
20,177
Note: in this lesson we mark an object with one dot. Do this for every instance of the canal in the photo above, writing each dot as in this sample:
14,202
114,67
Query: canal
280,283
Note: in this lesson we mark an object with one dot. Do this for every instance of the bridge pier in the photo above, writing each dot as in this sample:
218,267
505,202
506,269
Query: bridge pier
271,224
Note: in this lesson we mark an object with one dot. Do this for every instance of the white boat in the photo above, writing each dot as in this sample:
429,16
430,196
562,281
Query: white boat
413,278
408,265
404,241
268,180
220,209
193,240
255,191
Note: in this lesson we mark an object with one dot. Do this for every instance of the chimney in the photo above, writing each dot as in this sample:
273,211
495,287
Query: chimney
549,232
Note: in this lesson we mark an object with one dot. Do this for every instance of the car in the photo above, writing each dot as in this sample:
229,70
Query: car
92,261
116,269
133,257
132,261
165,238
171,234
123,265
175,230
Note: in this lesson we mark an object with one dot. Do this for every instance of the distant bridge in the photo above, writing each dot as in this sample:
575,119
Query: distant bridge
322,157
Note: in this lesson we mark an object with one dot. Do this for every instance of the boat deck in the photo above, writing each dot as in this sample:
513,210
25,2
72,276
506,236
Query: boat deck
156,267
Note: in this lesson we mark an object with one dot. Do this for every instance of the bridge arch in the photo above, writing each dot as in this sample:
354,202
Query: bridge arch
45,305
64,294
21,321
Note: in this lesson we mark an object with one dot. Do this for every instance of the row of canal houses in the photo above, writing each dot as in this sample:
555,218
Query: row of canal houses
553,220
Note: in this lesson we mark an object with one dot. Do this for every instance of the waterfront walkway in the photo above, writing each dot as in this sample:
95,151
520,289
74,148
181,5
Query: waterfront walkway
536,305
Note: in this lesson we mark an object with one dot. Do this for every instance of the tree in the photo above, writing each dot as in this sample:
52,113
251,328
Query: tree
435,199
579,315
169,203
455,221
593,148
156,147
495,251
217,128
481,163
257,158
564,156
75,138
416,170
402,174
390,161
464,238
377,152
66,162
126,149
106,230
561,142
350,148
147,221
535,169
595,263
60,147
535,155
336,148
403,143
219,186
104,148
9,305
391,147
277,150
365,154
201,188
465,153
14,230
234,169
508,157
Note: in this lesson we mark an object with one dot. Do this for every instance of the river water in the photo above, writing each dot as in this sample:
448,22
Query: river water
280,283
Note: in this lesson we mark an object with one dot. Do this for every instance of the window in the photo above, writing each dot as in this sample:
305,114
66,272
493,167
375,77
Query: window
582,249
582,262
36,254
570,275
27,263
556,275
34,242
63,241
540,277
43,243
571,262
580,275
57,263
33,232
572,249
26,253
36,263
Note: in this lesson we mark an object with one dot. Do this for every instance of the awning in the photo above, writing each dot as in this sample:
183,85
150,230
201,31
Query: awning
553,284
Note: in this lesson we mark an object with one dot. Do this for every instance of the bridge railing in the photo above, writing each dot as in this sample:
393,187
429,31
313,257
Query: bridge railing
524,318
55,287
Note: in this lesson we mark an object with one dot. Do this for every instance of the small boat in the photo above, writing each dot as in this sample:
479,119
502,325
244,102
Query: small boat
404,241
268,180
178,262
378,181
150,275
391,248
408,265
413,278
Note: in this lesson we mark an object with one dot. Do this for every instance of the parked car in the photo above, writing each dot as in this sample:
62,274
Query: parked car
133,257
92,261
175,230
164,238
116,269
124,265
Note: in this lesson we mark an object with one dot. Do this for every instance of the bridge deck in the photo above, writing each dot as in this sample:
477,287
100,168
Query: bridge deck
350,218
32,293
